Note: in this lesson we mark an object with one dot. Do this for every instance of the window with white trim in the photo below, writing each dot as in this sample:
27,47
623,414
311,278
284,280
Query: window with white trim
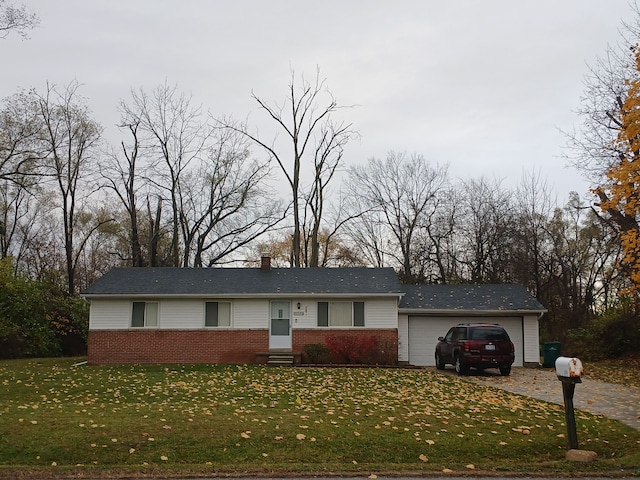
144,314
341,314
217,314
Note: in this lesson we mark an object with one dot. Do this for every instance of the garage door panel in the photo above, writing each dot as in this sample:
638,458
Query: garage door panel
423,337
424,333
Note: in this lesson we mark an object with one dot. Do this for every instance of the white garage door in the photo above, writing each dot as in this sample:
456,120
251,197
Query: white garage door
424,333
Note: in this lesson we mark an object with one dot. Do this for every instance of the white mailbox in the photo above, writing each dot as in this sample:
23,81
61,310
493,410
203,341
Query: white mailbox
568,367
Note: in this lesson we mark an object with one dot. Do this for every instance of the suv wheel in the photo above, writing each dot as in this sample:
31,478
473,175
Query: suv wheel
460,368
439,362
505,370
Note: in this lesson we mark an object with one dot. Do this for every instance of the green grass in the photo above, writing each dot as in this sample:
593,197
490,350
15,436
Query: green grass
57,419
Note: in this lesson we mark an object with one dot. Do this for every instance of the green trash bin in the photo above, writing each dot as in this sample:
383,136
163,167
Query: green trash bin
550,353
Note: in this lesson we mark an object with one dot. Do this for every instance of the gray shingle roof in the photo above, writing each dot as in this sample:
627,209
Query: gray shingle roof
246,281
507,297
311,281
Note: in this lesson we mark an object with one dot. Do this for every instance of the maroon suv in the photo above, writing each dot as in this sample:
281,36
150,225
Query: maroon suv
478,345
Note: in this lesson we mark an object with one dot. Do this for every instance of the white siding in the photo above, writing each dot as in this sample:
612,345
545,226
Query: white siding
109,314
306,316
181,314
403,338
531,336
250,313
381,313
513,326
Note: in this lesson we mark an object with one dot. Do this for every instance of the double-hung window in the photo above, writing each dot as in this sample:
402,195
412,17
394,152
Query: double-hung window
144,314
341,314
217,314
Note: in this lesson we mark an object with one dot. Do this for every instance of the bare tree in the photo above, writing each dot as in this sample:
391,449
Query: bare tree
16,18
19,132
216,192
366,231
224,205
20,207
306,117
68,141
172,133
406,191
534,206
484,232
121,175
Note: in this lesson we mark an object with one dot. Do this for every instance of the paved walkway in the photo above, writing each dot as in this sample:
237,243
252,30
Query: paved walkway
612,400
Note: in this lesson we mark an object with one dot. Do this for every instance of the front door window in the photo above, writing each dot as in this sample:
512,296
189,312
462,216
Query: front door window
280,325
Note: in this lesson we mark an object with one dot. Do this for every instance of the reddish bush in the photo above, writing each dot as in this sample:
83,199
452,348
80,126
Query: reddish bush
352,349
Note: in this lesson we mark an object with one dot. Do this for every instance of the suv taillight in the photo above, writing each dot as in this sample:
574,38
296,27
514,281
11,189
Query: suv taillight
513,348
466,347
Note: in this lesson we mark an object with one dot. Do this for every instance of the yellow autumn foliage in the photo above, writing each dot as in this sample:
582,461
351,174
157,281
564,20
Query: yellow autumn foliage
623,177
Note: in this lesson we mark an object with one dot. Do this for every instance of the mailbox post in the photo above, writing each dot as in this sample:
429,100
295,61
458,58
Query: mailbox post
569,371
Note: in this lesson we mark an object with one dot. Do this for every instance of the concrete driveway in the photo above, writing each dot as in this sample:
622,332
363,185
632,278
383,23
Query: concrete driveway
611,400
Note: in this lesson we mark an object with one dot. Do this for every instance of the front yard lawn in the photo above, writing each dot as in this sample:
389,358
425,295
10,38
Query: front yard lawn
57,419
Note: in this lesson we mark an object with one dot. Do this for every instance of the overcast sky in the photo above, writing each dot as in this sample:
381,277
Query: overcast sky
485,86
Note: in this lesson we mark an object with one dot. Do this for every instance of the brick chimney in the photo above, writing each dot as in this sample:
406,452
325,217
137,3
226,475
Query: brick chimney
265,262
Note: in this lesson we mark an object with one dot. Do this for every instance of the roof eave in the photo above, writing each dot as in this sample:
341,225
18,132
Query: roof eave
394,295
469,313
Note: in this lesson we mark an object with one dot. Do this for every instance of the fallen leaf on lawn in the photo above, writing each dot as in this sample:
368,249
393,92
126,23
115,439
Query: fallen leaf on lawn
423,457
301,436
277,438
131,450
471,466
164,458
54,464
373,476
447,470
430,442
357,434
265,454
245,435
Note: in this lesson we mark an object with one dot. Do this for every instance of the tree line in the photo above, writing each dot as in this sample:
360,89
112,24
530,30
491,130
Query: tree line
186,187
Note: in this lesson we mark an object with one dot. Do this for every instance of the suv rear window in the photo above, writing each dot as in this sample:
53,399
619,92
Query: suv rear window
494,334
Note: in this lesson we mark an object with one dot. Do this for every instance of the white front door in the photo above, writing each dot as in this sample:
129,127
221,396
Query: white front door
280,326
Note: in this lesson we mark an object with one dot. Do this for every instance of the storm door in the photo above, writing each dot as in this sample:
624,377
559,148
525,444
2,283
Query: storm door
280,326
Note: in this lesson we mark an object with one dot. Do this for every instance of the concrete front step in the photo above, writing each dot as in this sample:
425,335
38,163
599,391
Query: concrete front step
281,359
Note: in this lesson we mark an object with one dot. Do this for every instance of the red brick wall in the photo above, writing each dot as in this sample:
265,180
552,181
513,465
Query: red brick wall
203,346
176,346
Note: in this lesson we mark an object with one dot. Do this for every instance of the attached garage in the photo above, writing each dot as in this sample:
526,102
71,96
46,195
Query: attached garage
429,311
424,332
